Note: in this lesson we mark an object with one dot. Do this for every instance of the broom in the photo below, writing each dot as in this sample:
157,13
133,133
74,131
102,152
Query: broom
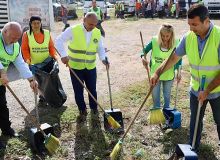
156,115
110,119
51,142
117,148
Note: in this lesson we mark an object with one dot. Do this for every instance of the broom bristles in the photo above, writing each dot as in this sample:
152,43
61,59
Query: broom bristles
52,143
113,122
116,150
156,116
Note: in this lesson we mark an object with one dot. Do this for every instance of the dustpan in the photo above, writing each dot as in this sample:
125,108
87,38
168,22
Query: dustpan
36,137
115,113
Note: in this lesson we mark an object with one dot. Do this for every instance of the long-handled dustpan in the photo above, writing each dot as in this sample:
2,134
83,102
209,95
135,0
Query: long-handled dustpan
172,115
186,150
36,137
50,142
116,150
115,113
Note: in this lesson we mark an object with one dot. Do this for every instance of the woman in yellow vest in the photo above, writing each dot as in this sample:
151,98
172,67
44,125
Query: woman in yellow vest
161,47
37,47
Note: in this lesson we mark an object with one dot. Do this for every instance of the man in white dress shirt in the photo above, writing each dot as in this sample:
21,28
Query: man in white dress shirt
84,41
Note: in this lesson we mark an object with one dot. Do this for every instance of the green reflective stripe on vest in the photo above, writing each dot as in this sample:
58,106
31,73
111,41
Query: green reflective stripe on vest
97,12
207,68
39,52
208,64
83,56
6,58
158,57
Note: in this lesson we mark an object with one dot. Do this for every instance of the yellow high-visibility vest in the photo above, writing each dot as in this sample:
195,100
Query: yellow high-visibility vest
208,65
83,56
38,51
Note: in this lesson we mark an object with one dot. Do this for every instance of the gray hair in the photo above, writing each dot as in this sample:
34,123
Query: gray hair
10,25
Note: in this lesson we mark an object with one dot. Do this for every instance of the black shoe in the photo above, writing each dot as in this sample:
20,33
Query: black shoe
83,113
2,146
95,111
82,116
42,102
10,132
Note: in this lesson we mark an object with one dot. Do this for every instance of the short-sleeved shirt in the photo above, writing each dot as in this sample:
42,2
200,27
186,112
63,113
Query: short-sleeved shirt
181,51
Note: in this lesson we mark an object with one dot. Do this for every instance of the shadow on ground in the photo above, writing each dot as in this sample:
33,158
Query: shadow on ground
90,142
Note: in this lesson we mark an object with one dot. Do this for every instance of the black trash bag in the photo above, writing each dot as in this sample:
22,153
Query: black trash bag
49,84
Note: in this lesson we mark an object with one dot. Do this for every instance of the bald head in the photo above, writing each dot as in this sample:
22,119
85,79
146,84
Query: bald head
90,21
11,32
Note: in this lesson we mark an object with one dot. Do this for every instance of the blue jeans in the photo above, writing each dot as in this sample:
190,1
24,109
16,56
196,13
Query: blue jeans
89,78
166,93
214,103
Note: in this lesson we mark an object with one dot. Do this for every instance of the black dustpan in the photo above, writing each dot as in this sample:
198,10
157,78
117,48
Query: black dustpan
36,137
186,150
115,113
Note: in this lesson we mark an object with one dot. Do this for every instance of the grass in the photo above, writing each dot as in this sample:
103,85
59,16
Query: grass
88,140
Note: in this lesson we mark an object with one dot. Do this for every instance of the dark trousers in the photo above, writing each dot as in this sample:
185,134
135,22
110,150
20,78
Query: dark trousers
148,13
4,112
88,77
214,103
99,26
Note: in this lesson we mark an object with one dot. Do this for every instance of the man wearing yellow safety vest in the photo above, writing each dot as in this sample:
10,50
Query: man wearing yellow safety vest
10,53
202,47
97,10
84,41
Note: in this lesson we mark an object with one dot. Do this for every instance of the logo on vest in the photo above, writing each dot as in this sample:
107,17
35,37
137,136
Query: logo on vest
95,40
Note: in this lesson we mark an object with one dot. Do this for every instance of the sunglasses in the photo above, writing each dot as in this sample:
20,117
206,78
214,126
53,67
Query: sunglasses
167,26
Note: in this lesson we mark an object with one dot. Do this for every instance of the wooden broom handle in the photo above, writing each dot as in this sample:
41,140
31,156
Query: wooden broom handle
148,94
23,107
142,42
74,73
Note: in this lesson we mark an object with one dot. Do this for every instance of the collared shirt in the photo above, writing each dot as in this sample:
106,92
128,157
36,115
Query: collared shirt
19,63
68,36
181,51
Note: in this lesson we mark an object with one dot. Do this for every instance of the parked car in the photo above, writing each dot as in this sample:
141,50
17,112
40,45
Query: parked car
58,13
109,5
